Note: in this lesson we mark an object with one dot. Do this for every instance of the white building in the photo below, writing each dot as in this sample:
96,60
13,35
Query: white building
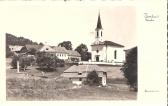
60,52
106,51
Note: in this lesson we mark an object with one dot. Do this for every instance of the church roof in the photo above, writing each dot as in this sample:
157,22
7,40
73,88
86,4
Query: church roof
99,25
110,43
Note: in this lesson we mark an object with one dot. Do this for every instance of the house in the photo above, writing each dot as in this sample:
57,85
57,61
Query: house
58,51
29,48
15,48
104,50
61,52
73,56
78,73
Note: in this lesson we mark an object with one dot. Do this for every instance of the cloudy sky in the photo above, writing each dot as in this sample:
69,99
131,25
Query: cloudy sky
76,23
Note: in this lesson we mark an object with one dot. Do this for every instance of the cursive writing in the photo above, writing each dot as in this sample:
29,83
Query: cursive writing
150,17
151,90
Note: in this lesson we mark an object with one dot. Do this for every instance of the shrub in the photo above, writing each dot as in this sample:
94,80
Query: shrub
92,78
130,68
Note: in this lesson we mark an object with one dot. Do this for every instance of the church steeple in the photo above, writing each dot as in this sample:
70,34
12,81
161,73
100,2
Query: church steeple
99,31
99,25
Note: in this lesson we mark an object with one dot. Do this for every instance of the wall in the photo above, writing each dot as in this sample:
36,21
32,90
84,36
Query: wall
63,56
109,56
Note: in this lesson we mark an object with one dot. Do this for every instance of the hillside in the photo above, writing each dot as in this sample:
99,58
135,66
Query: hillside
13,40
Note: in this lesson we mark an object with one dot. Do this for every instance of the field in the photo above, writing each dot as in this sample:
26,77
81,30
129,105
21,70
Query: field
32,85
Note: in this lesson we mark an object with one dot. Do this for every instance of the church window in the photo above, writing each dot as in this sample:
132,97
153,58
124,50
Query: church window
101,33
115,54
97,34
97,51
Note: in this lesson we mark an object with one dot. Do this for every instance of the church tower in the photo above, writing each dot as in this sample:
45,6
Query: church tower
99,31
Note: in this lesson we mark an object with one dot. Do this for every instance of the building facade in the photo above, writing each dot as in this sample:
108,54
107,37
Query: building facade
106,51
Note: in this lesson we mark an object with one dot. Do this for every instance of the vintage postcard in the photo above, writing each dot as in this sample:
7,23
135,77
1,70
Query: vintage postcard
110,52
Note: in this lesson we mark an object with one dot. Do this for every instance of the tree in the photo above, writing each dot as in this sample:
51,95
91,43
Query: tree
66,44
32,51
93,78
24,61
130,68
83,51
9,53
48,62
41,44
14,61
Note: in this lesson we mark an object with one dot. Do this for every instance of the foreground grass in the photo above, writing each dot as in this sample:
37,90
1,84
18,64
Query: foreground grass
61,89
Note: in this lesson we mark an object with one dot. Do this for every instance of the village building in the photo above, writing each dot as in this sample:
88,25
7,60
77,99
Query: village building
73,56
78,73
104,50
60,52
15,48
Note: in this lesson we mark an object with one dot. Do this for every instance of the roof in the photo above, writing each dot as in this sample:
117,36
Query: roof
36,47
99,25
73,53
83,68
59,49
110,43
15,48
74,70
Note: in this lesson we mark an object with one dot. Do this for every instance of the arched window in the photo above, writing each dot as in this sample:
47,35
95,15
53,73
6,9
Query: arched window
97,34
115,54
97,51
101,33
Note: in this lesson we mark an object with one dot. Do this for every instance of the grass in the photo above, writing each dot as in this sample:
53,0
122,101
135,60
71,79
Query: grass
31,85
51,89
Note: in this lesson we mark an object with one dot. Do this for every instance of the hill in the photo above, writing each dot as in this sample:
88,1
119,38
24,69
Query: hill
13,40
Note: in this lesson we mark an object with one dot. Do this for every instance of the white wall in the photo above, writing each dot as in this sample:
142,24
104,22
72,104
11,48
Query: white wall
120,55
63,56
110,53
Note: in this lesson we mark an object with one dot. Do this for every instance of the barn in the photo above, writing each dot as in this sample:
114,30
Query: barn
78,73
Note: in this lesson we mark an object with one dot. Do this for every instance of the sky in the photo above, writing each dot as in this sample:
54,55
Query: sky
54,24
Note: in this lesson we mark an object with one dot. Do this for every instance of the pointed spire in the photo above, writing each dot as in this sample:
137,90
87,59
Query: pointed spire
99,25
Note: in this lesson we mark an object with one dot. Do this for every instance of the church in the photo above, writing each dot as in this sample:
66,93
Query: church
104,50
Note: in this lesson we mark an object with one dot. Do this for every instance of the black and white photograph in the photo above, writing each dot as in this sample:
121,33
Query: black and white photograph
107,52
72,53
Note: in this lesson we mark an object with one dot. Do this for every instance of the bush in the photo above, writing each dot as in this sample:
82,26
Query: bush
93,79
130,68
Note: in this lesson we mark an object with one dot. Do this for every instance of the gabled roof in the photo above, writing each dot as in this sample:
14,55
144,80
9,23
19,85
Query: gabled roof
109,43
73,53
59,49
15,48
99,25
73,70
36,47
47,48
